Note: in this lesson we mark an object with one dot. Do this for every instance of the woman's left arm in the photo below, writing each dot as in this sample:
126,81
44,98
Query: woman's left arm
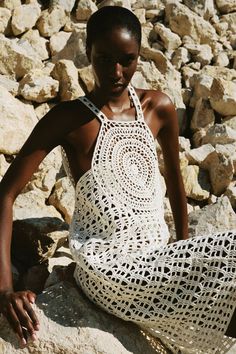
168,140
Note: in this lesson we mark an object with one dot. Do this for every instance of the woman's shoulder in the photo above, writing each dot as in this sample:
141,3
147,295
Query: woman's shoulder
154,98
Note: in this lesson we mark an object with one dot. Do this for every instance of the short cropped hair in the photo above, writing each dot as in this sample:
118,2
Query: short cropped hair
109,17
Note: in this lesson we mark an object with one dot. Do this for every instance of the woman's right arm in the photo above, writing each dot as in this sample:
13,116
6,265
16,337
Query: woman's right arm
16,306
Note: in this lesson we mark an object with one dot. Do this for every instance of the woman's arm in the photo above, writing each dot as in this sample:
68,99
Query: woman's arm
168,140
16,306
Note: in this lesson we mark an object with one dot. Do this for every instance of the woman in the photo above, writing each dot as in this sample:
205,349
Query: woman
182,292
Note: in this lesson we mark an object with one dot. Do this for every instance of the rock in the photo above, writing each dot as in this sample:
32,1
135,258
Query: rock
141,14
203,116
196,182
221,59
223,97
221,171
184,144
38,87
63,198
199,155
18,125
45,176
181,56
213,218
10,4
70,323
218,72
201,53
42,109
85,9
122,3
3,165
229,151
219,134
186,95
9,84
231,193
19,61
169,39
226,6
204,8
58,42
67,74
198,137
34,279
185,22
188,74
86,78
74,50
230,122
67,5
5,16
24,17
51,21
146,4
38,43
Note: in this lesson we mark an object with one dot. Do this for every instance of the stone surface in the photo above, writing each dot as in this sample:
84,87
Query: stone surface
226,6
223,97
203,116
201,53
18,125
213,218
38,43
3,165
38,87
180,57
51,21
84,10
196,182
58,41
70,323
15,60
86,77
169,39
24,17
200,154
9,84
63,198
67,74
219,134
65,4
5,16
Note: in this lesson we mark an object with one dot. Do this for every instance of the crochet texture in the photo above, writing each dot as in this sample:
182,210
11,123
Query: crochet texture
183,293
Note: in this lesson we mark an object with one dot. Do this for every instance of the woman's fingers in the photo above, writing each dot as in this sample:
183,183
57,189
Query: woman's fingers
22,314
15,324
28,308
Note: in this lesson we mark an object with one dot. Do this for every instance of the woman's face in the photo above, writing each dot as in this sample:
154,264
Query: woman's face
114,60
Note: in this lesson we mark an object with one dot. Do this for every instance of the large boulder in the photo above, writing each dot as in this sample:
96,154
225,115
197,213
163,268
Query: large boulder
70,323
24,17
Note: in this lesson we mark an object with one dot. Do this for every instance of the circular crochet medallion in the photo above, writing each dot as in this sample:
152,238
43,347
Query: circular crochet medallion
124,165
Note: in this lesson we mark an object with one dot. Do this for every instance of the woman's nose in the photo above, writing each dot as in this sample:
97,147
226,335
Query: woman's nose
116,71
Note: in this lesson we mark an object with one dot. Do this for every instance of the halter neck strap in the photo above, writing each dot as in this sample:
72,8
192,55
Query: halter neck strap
102,117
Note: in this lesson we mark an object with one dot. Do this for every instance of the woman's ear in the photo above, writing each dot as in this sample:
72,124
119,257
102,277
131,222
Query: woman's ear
88,53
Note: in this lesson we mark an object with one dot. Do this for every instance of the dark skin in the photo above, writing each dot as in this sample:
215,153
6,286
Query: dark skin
114,60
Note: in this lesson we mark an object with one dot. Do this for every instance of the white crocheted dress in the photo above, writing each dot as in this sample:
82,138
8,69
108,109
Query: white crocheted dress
183,293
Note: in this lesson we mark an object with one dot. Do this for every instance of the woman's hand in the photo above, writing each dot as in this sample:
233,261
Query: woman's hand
16,307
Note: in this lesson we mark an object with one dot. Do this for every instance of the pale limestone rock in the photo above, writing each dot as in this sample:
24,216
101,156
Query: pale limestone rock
122,3
63,198
70,323
41,110
188,75
169,39
51,21
62,257
15,60
212,199
186,95
196,183
231,193
9,84
180,57
3,165
230,122
5,16
229,151
86,76
65,4
204,8
226,6
58,41
14,125
146,4
10,4
221,28
85,9
223,97
184,144
203,116
153,13
221,171
74,49
70,26
201,53
24,17
184,22
141,14
67,74
221,59
38,43
38,87
219,134
217,217
218,72
198,137
199,155
138,80
44,178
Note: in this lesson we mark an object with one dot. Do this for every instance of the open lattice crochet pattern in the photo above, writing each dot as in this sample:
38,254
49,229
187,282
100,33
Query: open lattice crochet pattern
184,292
